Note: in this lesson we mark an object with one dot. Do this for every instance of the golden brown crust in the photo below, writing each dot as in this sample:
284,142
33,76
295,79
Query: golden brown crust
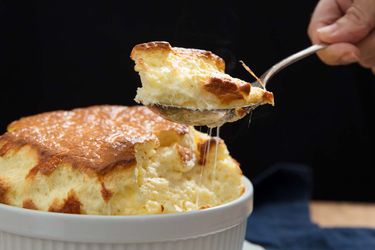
29,204
98,138
47,164
203,148
157,46
8,145
204,207
227,89
5,148
71,205
4,188
165,46
268,97
185,154
106,194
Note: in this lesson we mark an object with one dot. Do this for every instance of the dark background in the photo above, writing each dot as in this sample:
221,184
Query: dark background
62,55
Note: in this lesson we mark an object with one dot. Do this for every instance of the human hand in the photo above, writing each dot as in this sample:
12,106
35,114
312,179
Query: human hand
349,27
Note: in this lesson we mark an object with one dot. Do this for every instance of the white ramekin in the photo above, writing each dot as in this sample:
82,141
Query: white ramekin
218,228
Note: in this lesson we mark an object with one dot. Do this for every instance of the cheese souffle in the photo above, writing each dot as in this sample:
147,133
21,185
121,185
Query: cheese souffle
190,78
113,160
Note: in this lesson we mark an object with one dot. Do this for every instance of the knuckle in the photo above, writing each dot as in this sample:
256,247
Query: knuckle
358,16
311,32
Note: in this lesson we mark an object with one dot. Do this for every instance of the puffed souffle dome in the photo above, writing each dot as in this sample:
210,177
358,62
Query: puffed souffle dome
113,160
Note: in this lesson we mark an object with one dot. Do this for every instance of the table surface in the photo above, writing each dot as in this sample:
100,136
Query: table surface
251,246
343,214
337,214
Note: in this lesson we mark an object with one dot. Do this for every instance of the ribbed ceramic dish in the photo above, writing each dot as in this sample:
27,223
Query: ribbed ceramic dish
218,228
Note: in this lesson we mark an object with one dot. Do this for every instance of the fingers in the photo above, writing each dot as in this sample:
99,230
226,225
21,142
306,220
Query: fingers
345,24
344,5
346,53
353,26
325,13
340,54
367,48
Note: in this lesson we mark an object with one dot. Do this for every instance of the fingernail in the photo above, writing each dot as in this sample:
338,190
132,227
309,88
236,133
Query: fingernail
349,58
327,29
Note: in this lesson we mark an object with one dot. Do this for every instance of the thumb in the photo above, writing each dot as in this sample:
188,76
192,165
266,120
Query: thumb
358,21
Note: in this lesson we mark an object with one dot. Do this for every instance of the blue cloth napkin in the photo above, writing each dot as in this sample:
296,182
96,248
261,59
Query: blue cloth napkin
281,215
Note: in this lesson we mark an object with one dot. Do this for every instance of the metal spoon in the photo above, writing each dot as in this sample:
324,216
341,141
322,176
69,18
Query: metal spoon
217,117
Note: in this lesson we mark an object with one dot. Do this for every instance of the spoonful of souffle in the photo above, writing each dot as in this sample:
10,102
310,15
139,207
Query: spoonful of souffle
189,86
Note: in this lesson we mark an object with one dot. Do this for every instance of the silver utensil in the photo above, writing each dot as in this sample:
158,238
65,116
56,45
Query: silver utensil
217,117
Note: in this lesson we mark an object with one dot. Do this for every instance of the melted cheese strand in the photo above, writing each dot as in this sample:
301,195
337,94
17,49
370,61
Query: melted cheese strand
205,156
252,73
216,151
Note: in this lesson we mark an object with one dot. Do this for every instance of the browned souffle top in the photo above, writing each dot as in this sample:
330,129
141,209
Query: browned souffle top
98,137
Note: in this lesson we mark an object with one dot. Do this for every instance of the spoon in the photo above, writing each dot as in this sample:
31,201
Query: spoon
217,117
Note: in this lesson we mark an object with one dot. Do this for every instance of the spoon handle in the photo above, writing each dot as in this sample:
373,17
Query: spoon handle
290,60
